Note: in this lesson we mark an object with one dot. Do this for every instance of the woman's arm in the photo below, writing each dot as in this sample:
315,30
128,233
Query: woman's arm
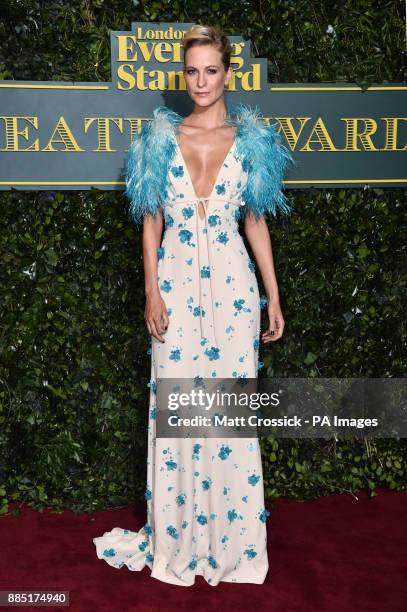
155,315
258,236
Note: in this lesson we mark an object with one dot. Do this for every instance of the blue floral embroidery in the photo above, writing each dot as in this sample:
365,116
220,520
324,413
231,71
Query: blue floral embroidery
253,480
177,171
224,454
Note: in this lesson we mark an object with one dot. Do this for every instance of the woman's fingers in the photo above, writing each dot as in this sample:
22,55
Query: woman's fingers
157,324
155,332
166,320
156,316
275,329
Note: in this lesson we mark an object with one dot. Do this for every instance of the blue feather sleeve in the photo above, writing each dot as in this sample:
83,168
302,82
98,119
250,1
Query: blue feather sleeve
265,160
147,164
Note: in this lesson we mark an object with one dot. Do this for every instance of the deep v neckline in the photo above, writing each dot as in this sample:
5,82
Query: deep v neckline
217,175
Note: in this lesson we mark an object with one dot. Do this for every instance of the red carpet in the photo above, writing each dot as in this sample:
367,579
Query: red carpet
334,554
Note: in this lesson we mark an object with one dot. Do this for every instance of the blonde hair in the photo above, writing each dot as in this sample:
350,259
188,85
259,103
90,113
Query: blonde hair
208,35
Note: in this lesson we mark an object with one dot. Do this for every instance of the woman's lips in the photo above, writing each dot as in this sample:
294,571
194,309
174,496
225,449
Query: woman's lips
202,93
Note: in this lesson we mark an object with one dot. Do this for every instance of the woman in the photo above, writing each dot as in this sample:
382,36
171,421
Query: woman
202,176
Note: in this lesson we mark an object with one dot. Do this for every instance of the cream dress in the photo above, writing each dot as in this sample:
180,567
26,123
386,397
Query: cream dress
205,500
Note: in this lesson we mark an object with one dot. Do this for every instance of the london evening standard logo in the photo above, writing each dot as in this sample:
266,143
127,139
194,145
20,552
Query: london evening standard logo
149,58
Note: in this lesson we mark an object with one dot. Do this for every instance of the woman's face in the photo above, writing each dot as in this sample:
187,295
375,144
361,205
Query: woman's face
205,74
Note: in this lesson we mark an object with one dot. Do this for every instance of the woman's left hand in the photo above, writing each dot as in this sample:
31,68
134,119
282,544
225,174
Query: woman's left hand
276,323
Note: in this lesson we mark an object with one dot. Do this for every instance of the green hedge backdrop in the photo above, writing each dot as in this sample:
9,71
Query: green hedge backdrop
74,349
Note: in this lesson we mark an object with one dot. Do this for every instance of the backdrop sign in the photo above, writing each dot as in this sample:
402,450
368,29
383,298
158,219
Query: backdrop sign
70,136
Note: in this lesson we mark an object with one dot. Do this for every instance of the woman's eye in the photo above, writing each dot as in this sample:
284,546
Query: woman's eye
211,70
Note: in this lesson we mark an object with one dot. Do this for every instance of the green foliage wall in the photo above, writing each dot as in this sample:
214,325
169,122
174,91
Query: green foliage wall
74,349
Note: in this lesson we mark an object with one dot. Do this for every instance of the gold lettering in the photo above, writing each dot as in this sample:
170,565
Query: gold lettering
161,49
236,60
176,81
103,130
353,135
358,136
288,130
125,44
322,137
147,51
250,79
391,133
12,133
66,137
125,72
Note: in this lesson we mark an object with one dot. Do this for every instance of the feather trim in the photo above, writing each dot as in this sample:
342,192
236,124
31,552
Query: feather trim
264,159
147,163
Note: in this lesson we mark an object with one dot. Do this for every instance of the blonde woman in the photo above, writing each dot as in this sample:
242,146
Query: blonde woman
200,179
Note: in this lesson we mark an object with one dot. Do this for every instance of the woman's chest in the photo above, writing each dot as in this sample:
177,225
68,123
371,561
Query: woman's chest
228,184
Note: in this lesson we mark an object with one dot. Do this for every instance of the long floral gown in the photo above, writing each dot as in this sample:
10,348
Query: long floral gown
206,513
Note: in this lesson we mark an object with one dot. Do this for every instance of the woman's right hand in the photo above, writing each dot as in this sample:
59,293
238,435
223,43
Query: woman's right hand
155,315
